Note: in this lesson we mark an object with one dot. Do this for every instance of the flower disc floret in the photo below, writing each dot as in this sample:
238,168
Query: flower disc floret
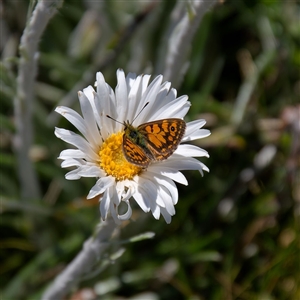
112,159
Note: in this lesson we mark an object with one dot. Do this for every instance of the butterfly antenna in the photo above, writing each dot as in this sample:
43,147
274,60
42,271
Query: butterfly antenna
108,116
140,111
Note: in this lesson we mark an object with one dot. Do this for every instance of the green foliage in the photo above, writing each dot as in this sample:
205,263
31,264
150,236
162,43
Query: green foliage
235,234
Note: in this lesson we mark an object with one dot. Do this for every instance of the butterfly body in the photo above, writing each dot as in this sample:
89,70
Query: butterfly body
152,141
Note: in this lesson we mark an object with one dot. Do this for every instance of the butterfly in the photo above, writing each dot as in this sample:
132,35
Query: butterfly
152,141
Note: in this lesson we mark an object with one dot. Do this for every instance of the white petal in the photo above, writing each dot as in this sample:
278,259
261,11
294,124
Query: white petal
149,191
121,96
168,184
171,96
156,212
174,109
124,190
88,93
130,80
112,210
101,186
190,150
72,175
194,125
91,171
141,201
99,114
113,207
105,204
78,141
73,117
71,162
166,215
162,99
186,163
162,94
145,82
113,109
71,153
170,172
135,96
147,176
199,134
167,191
104,104
167,199
120,189
180,112
133,99
127,214
194,132
88,114
149,96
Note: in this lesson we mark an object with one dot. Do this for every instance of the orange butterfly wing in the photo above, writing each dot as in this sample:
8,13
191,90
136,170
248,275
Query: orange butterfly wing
163,136
152,141
134,153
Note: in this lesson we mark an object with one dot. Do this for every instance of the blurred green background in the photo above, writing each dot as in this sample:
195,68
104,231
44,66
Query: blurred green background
235,234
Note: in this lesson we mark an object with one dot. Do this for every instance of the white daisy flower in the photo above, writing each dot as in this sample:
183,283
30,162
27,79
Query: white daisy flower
100,152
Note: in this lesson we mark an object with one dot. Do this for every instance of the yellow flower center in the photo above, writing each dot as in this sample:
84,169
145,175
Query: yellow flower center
112,159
